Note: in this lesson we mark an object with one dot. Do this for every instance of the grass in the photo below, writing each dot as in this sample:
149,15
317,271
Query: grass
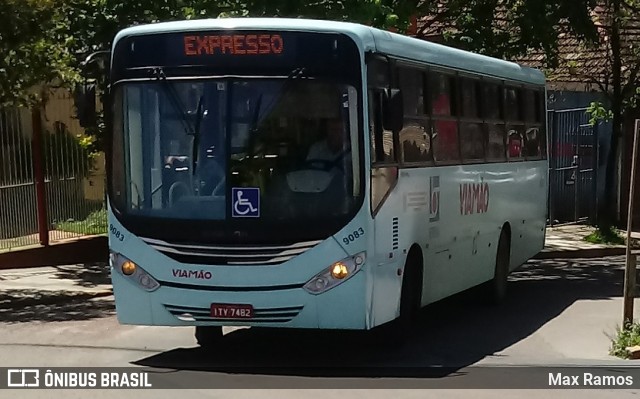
607,236
625,338
95,223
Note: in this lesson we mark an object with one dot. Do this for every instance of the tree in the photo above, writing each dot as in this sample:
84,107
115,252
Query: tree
33,50
510,29
620,82
607,28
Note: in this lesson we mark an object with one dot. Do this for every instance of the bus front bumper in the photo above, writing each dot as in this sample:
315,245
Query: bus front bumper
342,307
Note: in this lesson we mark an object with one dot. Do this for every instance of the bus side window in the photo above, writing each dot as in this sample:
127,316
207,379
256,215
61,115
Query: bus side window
493,116
533,125
415,141
515,123
471,132
542,116
382,141
382,147
444,123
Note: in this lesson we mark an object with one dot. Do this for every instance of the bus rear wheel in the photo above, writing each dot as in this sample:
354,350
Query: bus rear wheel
208,337
498,287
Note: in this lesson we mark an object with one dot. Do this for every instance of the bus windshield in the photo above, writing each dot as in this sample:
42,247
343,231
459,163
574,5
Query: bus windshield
224,149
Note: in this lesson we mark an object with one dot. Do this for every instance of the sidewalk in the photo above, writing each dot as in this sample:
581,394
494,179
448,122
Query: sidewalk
54,284
567,241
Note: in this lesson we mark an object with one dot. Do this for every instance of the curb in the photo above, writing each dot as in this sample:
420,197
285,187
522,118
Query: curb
36,297
582,253
80,250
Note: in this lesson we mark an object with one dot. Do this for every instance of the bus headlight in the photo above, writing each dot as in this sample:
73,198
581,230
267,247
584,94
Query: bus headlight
335,274
133,272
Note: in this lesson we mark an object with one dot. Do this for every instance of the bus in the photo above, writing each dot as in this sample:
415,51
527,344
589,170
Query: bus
314,174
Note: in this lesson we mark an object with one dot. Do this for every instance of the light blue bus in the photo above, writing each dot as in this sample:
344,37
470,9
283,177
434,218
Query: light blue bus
314,174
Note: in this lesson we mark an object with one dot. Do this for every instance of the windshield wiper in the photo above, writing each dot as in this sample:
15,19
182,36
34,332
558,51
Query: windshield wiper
195,144
174,97
190,130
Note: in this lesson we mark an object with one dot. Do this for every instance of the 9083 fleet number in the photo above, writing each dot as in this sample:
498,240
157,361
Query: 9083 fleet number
353,236
116,233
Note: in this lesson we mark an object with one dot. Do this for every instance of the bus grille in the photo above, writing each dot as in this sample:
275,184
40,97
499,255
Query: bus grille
263,315
236,255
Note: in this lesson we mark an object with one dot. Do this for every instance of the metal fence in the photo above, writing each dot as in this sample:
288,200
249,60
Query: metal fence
573,164
18,221
51,188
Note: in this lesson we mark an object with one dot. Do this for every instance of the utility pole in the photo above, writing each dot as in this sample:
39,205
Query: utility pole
630,264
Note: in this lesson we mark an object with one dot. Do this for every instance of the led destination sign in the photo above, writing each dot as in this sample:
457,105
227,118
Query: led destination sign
233,44
237,52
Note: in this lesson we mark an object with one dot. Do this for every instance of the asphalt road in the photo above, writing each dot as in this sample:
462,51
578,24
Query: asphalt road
558,313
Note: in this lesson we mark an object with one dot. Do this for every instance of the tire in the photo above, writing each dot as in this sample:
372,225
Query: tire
208,337
411,294
396,333
498,286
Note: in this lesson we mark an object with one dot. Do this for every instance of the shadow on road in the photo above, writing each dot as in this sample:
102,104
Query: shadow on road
66,294
21,306
86,275
452,333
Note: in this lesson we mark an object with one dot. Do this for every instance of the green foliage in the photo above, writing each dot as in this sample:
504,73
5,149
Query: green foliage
64,155
95,223
508,29
625,337
598,113
45,41
33,49
605,236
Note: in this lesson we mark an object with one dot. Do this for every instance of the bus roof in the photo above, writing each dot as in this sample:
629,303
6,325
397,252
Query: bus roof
369,39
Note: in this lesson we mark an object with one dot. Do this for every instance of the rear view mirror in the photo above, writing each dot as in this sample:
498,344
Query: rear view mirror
392,110
85,100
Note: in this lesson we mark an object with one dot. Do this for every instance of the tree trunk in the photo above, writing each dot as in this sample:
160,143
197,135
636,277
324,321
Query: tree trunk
607,215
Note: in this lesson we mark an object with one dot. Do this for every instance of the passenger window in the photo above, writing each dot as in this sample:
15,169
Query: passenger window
495,147
445,140
377,73
515,142
543,123
469,89
382,148
442,95
530,106
411,86
513,111
416,143
534,130
471,141
491,101
532,142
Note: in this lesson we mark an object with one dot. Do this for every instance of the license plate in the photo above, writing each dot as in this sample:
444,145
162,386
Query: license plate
231,311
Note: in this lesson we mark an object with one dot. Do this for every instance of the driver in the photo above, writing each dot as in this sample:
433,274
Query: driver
334,146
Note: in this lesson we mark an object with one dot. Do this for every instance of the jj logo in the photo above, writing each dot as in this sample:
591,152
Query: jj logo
434,198
23,378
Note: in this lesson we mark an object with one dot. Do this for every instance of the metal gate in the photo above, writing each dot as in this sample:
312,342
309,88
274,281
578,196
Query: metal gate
573,165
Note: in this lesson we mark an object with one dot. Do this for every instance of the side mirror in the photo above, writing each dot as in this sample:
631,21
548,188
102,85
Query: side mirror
392,110
85,101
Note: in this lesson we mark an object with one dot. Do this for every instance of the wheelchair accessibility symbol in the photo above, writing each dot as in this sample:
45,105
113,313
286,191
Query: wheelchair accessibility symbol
246,202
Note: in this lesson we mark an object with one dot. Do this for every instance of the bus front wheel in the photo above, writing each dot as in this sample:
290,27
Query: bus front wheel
208,336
